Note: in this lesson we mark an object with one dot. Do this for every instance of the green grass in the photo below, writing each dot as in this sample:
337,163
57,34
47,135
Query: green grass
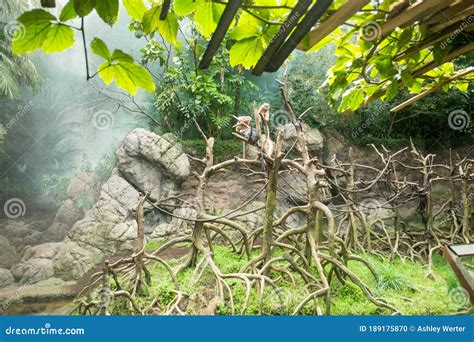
402,284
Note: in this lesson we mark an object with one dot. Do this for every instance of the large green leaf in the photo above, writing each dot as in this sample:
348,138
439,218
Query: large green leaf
100,48
128,76
108,10
68,12
59,38
207,16
184,7
135,9
168,28
247,52
83,7
36,24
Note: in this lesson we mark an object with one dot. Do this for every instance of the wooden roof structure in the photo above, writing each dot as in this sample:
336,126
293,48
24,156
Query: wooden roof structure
313,19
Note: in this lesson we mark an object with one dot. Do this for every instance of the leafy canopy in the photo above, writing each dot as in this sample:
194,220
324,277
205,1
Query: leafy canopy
368,66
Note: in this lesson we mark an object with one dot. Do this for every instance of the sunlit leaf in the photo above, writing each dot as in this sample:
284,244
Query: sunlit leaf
36,24
68,12
107,10
128,76
135,8
100,48
83,7
59,38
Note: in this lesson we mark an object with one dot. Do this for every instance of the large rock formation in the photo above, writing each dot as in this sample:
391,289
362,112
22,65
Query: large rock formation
145,162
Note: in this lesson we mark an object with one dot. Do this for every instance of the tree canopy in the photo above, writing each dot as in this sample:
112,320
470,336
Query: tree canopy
375,56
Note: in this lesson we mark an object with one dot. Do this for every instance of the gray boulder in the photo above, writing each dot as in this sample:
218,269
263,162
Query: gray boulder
314,138
8,255
33,270
6,278
152,162
84,184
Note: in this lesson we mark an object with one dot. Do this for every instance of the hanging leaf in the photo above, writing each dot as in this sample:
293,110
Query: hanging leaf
59,38
36,24
107,10
392,90
128,76
168,28
206,17
68,12
83,7
184,7
100,48
135,9
247,52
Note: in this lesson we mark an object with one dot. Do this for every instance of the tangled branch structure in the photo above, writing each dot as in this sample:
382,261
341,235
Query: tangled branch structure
339,224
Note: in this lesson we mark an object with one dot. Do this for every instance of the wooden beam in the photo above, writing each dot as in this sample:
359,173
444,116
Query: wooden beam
452,55
465,279
309,20
425,93
411,14
224,22
431,41
298,11
334,21
448,12
458,19
165,8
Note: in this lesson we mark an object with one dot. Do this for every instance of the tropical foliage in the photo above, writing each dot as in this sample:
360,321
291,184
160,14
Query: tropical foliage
16,71
368,65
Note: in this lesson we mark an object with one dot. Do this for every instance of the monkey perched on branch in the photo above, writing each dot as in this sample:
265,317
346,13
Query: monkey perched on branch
254,135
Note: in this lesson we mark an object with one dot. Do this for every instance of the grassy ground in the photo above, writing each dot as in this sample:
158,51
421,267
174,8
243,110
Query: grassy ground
402,284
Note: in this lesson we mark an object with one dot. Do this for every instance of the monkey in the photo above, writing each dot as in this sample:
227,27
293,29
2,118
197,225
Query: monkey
244,129
264,113
264,117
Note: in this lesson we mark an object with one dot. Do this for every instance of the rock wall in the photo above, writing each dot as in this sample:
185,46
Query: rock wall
145,162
